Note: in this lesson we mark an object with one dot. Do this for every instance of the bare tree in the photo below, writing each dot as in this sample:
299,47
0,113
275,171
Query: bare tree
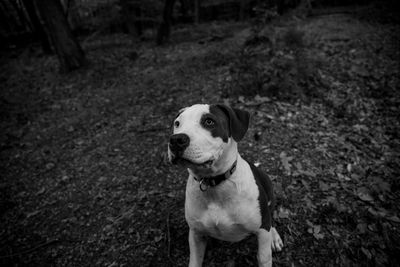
185,10
196,11
37,25
69,52
242,9
4,19
132,13
164,30
21,16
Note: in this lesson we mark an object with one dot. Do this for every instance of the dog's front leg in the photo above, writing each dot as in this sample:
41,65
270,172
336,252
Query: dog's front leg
197,245
264,255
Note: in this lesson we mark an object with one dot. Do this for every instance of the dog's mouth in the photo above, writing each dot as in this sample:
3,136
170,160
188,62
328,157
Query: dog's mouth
189,163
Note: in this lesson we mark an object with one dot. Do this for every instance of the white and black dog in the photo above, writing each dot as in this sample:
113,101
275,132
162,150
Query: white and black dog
227,197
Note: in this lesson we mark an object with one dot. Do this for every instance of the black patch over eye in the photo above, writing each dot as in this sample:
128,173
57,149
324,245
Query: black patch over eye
176,123
208,122
221,127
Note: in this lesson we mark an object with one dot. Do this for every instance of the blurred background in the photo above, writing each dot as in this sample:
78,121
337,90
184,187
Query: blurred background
88,90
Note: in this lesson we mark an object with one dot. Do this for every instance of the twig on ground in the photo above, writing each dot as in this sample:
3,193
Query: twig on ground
168,238
47,243
156,129
144,243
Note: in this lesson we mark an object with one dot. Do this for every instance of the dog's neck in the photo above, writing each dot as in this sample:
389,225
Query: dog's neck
220,166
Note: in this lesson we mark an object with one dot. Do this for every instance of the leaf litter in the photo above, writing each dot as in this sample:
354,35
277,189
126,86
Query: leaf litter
85,179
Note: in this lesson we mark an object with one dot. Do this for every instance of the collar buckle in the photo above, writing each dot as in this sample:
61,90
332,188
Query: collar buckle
203,186
207,182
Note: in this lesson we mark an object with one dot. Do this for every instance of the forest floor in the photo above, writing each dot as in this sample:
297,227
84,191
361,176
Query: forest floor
84,175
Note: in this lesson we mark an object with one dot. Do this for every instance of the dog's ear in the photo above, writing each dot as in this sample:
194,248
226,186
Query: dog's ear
180,111
238,121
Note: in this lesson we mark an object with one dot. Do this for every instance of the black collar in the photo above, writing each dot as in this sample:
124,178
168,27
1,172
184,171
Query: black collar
206,182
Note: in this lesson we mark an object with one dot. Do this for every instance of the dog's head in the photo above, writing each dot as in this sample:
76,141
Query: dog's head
201,134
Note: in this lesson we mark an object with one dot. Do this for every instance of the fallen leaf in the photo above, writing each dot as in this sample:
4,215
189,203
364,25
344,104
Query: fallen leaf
33,213
50,165
308,173
305,184
323,186
79,142
309,203
394,218
230,263
318,236
285,161
360,127
366,252
267,150
262,99
364,194
362,228
359,70
378,213
41,191
299,166
372,227
283,213
158,238
270,117
108,228
349,167
335,234
102,179
315,230
381,185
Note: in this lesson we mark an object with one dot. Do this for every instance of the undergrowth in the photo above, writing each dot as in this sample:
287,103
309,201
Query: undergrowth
276,62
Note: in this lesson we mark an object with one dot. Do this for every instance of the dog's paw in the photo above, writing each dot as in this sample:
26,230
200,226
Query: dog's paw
277,243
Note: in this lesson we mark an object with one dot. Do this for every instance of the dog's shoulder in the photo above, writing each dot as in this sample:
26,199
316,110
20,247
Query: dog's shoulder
262,180
266,200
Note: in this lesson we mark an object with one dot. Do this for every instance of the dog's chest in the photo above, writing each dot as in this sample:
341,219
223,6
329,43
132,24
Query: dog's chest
229,215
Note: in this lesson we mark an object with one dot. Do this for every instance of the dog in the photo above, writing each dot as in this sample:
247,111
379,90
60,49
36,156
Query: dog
227,197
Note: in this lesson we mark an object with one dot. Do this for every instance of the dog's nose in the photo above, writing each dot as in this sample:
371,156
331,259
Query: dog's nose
179,142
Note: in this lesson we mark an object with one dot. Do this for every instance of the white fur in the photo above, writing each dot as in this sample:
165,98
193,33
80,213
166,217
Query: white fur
229,211
203,146
223,211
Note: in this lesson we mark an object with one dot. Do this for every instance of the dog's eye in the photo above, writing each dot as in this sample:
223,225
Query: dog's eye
209,122
176,123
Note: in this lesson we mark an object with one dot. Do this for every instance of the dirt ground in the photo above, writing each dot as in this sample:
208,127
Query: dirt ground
84,175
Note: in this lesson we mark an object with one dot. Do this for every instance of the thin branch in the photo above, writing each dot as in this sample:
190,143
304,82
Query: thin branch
144,243
156,129
47,243
168,238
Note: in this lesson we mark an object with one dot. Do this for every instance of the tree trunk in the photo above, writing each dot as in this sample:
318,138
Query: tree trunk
37,26
196,11
5,20
242,9
72,15
164,31
22,19
138,22
184,10
69,52
132,13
